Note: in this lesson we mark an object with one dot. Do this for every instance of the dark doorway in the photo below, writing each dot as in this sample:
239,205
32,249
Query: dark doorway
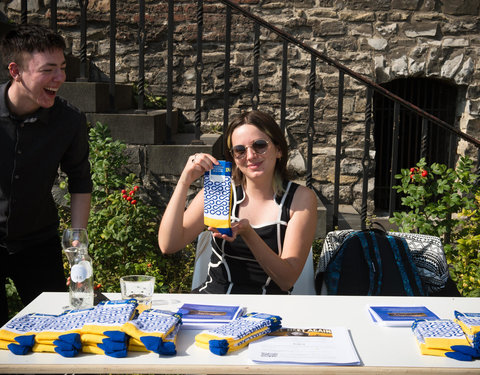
432,95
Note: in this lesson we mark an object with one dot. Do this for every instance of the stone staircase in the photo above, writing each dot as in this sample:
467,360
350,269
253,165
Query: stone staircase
126,123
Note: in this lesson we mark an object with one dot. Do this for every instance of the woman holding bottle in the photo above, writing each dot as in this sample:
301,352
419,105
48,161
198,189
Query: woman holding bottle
273,219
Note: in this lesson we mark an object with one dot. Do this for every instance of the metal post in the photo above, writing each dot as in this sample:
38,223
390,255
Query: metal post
141,59
226,90
338,149
283,99
53,15
256,58
394,160
24,12
366,158
424,140
199,70
311,118
171,27
113,33
83,41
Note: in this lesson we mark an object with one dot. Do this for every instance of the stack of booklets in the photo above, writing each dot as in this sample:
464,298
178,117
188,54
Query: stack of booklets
402,316
197,316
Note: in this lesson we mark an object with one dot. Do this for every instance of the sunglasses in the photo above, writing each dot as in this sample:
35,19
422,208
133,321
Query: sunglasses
259,146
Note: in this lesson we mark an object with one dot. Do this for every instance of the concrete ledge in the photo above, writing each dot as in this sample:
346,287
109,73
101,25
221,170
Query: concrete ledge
171,159
136,128
94,96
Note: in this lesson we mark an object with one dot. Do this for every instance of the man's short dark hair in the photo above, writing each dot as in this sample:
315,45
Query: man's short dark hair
28,38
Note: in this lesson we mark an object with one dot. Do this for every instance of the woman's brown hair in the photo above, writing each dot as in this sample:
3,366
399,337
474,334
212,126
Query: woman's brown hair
268,125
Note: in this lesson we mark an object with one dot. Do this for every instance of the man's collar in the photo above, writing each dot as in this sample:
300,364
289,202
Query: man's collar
4,112
41,114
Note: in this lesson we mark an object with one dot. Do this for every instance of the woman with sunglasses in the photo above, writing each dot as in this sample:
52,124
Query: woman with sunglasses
273,219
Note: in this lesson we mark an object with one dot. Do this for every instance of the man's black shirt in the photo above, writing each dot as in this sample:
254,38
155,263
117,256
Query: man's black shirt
31,151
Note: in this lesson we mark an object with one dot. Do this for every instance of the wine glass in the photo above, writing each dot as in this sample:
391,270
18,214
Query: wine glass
74,239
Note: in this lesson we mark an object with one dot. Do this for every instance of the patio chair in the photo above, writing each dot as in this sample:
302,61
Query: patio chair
304,285
426,251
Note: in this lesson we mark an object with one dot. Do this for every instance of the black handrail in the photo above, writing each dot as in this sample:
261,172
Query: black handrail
287,39
350,72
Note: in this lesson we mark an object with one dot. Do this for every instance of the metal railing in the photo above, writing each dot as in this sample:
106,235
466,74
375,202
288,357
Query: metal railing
287,40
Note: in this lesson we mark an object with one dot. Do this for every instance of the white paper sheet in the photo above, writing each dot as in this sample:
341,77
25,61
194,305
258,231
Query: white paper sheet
335,350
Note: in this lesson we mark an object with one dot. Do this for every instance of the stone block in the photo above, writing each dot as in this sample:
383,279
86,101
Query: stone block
94,96
137,128
171,159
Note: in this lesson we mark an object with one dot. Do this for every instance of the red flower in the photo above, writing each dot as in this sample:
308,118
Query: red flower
131,192
124,196
135,188
412,169
134,201
123,191
128,198
424,173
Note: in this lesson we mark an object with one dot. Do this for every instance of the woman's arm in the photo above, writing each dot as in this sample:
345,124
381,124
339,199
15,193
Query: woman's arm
179,227
286,268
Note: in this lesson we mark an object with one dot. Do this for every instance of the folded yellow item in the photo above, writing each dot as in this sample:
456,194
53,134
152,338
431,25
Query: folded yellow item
109,316
70,321
92,339
238,333
29,324
152,327
43,348
470,322
92,349
435,337
156,323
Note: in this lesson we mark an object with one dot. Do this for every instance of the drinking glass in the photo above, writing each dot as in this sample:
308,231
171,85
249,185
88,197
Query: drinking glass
72,240
140,287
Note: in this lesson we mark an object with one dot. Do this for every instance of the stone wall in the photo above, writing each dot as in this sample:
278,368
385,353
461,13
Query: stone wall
380,39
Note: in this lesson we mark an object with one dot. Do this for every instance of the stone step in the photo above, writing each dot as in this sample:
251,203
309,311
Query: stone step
132,127
94,96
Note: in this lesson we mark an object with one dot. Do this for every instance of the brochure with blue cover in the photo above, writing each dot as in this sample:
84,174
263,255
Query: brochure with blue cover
197,316
400,315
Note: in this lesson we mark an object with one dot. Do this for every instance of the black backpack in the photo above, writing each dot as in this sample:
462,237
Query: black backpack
373,263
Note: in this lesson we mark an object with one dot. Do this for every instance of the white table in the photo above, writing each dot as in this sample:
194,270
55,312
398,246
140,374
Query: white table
381,349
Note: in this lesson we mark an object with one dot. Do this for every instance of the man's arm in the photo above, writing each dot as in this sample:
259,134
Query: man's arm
80,209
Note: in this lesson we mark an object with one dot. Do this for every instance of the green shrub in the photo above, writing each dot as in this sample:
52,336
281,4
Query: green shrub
14,302
467,253
439,198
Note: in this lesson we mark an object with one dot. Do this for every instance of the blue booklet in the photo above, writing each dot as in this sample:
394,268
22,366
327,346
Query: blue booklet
400,315
197,316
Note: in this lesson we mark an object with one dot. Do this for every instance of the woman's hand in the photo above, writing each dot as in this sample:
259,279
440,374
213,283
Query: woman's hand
196,166
239,228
